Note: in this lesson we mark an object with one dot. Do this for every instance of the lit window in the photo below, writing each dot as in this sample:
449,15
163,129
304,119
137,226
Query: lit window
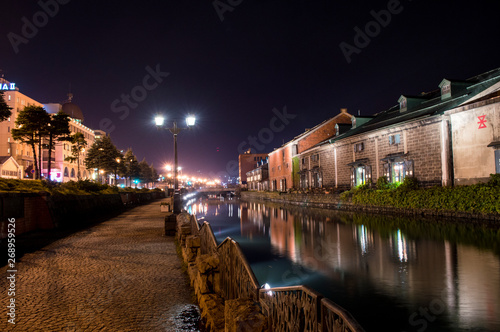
360,175
398,173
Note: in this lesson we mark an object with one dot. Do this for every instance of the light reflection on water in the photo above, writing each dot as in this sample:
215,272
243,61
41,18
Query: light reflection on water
396,273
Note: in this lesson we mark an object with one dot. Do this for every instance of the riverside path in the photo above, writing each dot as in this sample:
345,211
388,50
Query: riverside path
119,275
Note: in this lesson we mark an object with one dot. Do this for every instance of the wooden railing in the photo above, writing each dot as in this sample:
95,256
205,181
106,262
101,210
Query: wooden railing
295,308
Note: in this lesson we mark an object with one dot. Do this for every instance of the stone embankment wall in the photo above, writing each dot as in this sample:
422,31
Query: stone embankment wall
41,211
217,313
332,201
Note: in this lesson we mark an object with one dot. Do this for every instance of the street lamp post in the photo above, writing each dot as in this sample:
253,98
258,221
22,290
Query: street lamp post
190,121
118,160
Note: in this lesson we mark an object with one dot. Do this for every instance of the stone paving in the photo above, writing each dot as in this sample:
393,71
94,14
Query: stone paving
120,275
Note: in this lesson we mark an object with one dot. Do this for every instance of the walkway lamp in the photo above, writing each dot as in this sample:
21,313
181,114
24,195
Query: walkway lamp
118,161
190,122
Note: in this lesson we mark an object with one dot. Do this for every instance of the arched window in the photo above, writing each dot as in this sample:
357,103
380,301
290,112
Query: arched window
66,171
72,172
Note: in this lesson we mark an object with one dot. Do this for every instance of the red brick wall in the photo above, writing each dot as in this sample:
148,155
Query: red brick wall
281,169
325,131
247,163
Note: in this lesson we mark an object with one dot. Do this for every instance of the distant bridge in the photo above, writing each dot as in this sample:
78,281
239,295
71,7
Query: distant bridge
216,191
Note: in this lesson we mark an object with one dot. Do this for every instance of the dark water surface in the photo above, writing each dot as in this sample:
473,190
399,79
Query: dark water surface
391,273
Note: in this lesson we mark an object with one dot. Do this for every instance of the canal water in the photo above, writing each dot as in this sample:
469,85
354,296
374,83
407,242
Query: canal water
391,273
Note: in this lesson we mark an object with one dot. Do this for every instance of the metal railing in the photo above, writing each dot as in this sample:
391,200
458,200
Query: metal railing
295,308
236,275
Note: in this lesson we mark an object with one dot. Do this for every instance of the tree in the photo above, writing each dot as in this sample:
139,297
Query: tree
58,130
5,112
102,156
154,174
78,143
30,128
131,166
145,173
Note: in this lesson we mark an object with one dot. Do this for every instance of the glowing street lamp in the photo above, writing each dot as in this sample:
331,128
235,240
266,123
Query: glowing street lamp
118,160
190,121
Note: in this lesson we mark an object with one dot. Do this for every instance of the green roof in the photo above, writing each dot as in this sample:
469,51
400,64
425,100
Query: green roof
430,105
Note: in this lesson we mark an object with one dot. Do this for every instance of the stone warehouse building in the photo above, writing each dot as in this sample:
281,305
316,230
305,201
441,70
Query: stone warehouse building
475,137
284,161
443,137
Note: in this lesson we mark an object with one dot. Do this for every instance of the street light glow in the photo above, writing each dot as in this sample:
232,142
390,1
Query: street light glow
190,121
159,120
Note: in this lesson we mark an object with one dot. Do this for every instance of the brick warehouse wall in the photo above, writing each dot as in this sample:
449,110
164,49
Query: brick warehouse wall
421,140
344,156
280,168
424,148
326,162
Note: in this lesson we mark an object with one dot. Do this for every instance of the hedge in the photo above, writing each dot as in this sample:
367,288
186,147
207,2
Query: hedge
478,198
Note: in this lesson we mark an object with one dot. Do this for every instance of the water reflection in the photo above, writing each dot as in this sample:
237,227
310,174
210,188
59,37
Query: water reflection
395,273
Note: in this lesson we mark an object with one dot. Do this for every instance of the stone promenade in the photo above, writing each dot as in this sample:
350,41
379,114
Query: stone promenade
120,275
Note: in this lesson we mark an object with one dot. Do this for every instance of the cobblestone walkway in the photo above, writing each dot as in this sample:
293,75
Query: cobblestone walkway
121,275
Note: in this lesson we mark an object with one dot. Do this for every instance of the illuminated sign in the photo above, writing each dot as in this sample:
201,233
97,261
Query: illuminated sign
5,86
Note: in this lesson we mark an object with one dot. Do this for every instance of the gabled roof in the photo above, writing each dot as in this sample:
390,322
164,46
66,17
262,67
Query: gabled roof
433,105
311,130
4,159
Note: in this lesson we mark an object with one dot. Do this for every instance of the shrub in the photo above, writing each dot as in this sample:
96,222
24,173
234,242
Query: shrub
494,180
409,183
383,183
363,186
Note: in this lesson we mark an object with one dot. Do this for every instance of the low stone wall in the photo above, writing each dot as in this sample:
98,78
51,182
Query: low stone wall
30,211
42,211
131,198
332,201
75,210
217,313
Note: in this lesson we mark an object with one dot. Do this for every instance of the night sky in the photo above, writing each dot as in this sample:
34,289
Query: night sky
232,73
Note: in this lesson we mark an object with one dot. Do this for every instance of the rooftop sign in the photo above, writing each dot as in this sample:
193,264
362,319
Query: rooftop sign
7,86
